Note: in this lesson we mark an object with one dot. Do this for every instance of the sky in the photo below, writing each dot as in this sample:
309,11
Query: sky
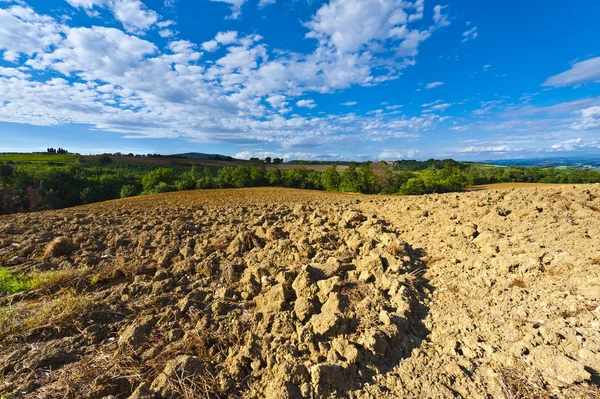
302,79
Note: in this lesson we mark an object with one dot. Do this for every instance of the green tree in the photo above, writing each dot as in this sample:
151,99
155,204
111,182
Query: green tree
128,190
330,179
153,178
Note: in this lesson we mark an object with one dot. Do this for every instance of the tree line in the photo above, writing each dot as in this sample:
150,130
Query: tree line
30,187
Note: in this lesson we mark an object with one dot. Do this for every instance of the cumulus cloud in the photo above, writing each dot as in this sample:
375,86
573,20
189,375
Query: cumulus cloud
310,104
353,25
112,80
580,73
133,14
349,103
390,155
236,7
22,31
12,72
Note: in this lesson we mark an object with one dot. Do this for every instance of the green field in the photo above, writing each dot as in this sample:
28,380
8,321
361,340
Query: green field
59,158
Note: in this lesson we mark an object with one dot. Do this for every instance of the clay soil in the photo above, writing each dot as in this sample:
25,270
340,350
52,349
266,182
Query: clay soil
281,293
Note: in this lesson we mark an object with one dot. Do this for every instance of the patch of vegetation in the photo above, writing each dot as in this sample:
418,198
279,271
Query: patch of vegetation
39,157
27,186
55,312
13,282
53,280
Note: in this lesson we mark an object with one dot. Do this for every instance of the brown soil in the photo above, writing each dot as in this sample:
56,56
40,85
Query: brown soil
287,294
506,186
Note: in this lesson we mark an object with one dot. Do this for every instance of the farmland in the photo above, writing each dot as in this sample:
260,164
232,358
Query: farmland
265,292
33,157
149,160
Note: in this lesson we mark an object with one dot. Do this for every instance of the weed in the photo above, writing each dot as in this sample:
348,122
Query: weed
50,281
518,282
55,313
11,282
519,382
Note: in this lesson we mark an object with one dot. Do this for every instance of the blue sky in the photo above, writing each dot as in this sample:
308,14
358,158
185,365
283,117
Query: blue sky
302,79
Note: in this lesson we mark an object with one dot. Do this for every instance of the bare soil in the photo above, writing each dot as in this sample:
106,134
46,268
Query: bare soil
282,293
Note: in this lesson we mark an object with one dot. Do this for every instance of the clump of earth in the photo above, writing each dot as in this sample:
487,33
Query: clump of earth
281,293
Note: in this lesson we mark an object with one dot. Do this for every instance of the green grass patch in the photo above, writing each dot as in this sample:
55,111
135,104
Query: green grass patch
58,311
11,282
31,157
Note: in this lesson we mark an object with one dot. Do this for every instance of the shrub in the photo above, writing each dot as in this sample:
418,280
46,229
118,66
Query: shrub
127,191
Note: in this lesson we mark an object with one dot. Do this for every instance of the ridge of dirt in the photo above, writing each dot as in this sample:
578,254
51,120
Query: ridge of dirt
288,293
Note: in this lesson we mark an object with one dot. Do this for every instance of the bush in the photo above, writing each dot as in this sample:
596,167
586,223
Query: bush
104,160
127,191
160,176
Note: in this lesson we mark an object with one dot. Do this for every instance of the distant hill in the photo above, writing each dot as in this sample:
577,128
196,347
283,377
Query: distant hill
200,155
577,162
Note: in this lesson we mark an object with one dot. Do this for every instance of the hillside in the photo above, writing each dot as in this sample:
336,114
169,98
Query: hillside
203,162
283,293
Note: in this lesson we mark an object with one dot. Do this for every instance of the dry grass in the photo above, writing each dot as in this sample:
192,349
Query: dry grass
519,382
356,291
58,312
562,269
228,274
205,386
518,282
583,391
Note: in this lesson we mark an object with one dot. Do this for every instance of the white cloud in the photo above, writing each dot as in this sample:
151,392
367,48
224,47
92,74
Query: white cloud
439,18
433,85
431,104
22,31
96,53
488,149
166,33
580,73
590,118
470,34
390,155
354,25
12,72
236,7
221,38
114,81
263,3
210,45
310,104
349,103
133,14
277,101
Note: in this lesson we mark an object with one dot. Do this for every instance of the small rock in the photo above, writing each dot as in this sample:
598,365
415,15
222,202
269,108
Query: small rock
328,286
326,324
304,308
273,300
556,366
160,275
135,334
